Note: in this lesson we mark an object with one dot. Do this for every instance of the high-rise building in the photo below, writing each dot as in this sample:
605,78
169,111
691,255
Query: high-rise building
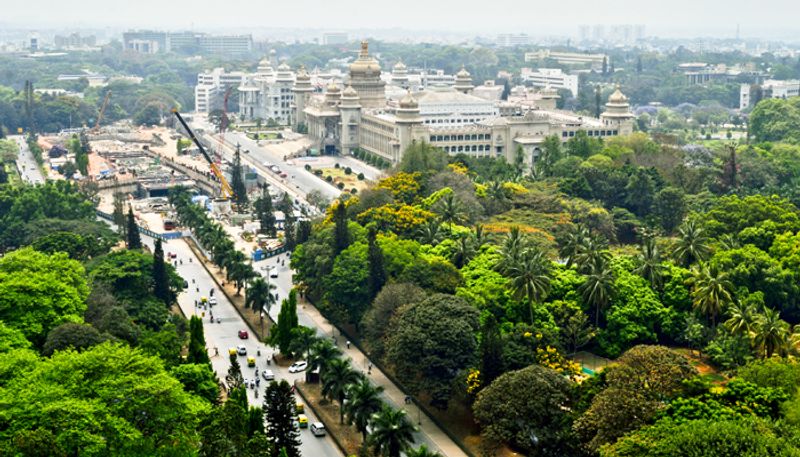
189,42
513,39
329,38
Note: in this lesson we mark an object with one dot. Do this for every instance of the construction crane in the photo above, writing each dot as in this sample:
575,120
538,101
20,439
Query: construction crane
226,191
102,112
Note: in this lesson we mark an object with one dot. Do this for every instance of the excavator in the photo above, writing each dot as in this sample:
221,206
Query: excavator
226,191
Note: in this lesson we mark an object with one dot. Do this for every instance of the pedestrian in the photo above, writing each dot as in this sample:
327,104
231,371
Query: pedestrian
195,303
348,344
216,350
369,368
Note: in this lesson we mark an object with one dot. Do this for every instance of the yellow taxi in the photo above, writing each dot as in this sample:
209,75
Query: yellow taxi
232,351
300,408
302,421
251,361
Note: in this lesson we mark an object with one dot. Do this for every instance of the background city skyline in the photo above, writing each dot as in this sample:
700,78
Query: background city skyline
677,18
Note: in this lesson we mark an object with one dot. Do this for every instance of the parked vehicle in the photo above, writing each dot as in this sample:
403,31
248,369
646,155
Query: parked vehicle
297,367
302,421
268,375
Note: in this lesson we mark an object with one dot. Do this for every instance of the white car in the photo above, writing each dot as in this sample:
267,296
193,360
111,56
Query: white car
317,429
297,367
268,375
212,301
241,349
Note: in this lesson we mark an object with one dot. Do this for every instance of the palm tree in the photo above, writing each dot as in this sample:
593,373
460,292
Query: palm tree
570,244
650,267
529,277
598,287
711,291
303,338
430,232
591,250
692,244
320,354
464,251
729,242
422,451
771,333
511,251
391,433
363,400
335,381
259,296
450,210
742,318
479,236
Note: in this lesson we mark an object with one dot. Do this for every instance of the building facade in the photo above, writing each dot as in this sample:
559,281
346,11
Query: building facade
551,77
267,95
152,42
448,117
209,93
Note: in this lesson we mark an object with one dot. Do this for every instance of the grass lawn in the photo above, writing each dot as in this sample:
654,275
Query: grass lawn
350,181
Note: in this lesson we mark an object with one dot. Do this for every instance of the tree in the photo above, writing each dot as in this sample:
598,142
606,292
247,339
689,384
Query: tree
541,399
773,119
670,208
529,278
161,288
71,335
259,296
770,333
692,245
363,400
281,334
450,210
644,378
650,267
374,323
133,240
422,451
377,271
742,318
280,413
712,292
639,64
598,100
303,338
149,115
320,354
198,379
708,437
234,379
197,352
429,342
76,420
583,146
338,376
605,67
265,213
422,157
491,351
392,433
341,232
39,292
598,287
237,181
640,192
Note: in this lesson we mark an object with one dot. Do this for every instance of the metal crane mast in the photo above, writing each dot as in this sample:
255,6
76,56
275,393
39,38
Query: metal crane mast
102,112
226,190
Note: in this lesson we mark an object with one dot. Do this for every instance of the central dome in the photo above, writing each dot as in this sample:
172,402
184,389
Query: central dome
365,64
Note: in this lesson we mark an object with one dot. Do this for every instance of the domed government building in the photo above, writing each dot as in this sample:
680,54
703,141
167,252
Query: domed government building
384,114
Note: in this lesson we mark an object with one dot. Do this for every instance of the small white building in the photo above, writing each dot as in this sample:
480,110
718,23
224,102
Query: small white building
551,77
211,86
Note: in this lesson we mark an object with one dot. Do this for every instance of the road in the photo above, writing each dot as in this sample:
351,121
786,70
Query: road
224,335
26,164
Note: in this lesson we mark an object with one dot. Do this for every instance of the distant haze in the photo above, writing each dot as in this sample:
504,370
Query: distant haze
769,18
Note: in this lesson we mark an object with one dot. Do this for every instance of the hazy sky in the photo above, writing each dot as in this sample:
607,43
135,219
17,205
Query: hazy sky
672,17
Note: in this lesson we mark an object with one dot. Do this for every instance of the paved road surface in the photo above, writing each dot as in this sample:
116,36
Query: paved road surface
224,335
27,166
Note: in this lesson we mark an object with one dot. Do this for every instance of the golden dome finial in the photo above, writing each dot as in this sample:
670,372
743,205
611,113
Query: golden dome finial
364,48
